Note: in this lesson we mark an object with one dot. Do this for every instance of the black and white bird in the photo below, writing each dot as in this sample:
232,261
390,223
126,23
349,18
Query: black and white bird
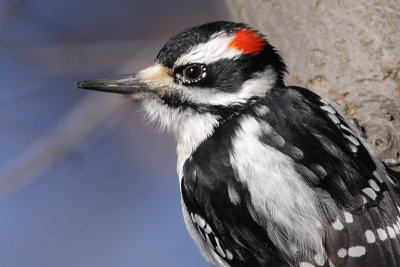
270,175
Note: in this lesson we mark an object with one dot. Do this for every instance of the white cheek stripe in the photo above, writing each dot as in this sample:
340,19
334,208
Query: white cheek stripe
215,49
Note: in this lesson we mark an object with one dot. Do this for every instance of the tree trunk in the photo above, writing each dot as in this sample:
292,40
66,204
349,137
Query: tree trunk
346,51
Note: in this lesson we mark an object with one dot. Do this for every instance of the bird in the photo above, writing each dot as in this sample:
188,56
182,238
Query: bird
269,174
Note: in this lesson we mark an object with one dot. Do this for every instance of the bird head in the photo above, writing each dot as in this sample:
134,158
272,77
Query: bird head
209,67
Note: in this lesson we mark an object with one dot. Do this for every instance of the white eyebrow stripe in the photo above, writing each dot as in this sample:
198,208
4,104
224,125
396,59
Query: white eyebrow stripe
215,49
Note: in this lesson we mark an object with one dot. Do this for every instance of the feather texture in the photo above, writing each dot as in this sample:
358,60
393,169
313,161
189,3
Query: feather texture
306,189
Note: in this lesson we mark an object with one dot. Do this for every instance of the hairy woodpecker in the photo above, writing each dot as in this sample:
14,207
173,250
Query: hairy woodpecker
270,175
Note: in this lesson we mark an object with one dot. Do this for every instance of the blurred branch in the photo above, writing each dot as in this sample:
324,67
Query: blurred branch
79,123
70,131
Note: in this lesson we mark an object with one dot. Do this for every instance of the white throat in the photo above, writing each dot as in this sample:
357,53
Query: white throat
189,128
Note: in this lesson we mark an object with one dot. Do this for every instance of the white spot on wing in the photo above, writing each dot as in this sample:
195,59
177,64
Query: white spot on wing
337,224
229,254
369,192
348,217
207,229
396,229
204,248
370,236
373,185
324,101
334,118
378,176
346,128
352,139
306,264
356,251
342,252
200,221
353,148
391,232
219,249
329,109
382,234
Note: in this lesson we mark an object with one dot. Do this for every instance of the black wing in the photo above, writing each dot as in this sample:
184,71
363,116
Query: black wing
333,161
368,230
208,178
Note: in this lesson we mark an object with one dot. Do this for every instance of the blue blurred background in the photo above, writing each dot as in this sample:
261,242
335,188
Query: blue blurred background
83,181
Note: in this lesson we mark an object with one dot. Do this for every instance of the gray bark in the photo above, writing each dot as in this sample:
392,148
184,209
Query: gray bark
346,51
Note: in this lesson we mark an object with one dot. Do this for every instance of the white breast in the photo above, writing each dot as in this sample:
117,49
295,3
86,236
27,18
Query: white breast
279,195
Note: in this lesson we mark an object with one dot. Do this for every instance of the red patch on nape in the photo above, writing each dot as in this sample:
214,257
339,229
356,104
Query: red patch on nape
248,41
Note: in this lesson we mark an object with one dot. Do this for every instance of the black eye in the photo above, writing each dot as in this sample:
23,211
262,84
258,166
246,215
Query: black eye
193,73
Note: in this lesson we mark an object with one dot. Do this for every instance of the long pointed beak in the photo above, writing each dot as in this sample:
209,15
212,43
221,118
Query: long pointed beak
128,84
